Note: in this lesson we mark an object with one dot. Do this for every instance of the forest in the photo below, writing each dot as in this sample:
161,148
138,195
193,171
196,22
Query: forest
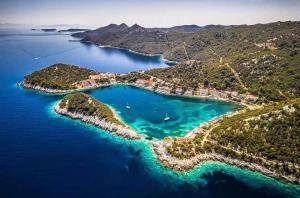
58,76
87,105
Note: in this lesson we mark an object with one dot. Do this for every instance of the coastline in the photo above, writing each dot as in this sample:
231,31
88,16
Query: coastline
162,92
119,130
123,48
190,134
166,61
57,91
158,90
158,146
188,164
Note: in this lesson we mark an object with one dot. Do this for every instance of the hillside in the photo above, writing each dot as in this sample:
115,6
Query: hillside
262,59
181,28
268,136
74,30
216,41
135,37
138,38
58,76
84,104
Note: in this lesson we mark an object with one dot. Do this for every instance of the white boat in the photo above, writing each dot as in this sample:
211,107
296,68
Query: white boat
167,117
127,106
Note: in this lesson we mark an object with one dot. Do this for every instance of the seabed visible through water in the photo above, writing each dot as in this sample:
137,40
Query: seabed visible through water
196,177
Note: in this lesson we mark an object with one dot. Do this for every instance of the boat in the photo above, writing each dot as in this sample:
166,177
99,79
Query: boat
167,117
127,106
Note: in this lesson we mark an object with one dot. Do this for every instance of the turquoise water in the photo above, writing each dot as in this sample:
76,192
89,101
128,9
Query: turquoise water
46,155
209,179
148,110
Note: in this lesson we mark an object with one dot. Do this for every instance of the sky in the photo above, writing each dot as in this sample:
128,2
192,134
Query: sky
148,13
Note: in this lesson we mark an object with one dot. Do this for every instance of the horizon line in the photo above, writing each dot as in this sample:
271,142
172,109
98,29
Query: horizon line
93,26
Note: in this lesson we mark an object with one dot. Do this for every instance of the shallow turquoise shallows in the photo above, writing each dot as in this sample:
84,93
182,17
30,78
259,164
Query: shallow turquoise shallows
146,111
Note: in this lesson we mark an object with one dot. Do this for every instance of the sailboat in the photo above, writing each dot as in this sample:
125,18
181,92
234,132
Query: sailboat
167,117
127,106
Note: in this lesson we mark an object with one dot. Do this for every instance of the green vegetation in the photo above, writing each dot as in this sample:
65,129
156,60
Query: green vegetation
131,77
272,132
103,81
262,59
269,135
271,75
58,76
265,57
194,75
84,104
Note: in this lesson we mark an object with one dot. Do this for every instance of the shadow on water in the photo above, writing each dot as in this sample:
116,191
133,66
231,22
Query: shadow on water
139,58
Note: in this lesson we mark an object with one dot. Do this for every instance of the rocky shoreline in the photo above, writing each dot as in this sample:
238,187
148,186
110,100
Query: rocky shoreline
39,88
160,90
56,91
166,61
163,92
159,147
122,48
186,164
119,130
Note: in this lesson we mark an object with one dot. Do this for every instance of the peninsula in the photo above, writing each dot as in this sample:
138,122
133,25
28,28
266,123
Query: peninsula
248,138
87,109
64,78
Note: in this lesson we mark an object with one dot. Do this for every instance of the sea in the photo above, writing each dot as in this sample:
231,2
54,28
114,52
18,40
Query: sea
43,154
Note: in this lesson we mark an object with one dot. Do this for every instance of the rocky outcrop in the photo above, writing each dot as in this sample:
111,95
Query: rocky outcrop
58,91
186,164
119,130
43,89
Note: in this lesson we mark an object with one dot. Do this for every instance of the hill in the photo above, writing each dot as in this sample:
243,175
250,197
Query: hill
262,59
58,76
84,104
267,136
181,28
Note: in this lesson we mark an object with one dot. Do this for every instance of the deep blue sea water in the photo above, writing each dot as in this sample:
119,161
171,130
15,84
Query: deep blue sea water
43,154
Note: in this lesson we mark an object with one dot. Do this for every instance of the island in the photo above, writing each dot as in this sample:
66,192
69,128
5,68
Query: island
86,108
49,29
256,66
73,30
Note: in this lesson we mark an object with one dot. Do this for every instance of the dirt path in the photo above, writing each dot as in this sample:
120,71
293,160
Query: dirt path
187,56
237,76
207,134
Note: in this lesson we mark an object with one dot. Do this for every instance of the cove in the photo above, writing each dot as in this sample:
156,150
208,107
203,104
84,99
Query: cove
202,180
148,110
43,154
